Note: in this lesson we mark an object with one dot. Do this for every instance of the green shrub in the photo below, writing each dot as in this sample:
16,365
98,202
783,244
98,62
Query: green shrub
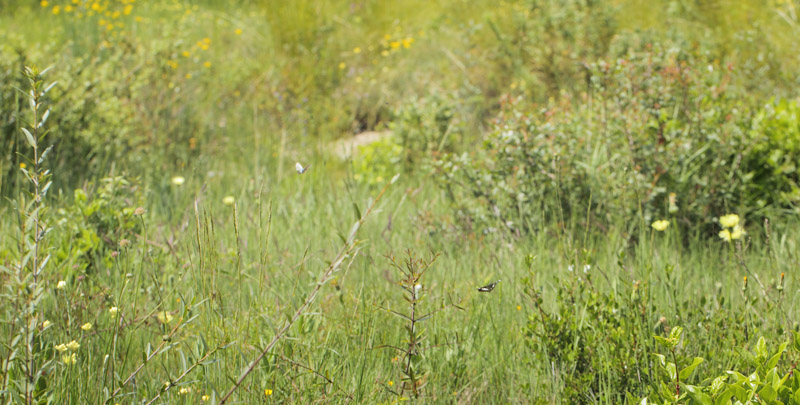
772,164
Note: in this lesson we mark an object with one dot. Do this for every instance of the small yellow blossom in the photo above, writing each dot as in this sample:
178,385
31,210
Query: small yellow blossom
184,390
228,200
729,221
186,54
62,348
519,307
407,42
205,398
164,317
207,64
73,345
356,50
738,232
56,10
68,8
128,9
178,180
387,37
138,19
394,44
22,165
86,326
267,392
238,31
61,285
115,15
188,76
113,311
384,53
342,65
660,225
390,383
725,235
69,358
46,323
96,6
44,3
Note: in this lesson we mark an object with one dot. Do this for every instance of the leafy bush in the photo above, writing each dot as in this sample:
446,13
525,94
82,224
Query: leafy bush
772,165
656,121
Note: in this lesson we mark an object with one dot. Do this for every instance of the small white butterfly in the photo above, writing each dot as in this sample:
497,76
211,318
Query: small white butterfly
488,287
300,169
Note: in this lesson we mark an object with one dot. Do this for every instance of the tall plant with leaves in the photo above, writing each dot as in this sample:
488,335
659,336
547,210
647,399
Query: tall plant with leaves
27,359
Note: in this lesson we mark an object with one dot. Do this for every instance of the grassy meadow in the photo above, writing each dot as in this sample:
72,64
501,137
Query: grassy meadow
570,201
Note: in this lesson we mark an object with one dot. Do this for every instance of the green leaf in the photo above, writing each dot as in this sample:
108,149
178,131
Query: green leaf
698,395
28,135
687,371
773,361
761,348
768,393
724,398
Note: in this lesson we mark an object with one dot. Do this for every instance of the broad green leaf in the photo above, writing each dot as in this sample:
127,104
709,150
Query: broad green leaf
687,371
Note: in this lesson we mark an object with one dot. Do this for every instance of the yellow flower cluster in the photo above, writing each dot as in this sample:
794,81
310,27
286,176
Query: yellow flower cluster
108,12
68,358
731,228
660,225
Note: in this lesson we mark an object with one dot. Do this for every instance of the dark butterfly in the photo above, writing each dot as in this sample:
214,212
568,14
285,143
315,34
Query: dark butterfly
489,287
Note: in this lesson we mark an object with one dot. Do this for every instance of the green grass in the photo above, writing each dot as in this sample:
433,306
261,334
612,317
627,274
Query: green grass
207,285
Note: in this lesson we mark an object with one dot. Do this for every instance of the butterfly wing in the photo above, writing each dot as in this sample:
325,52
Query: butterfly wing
488,287
300,169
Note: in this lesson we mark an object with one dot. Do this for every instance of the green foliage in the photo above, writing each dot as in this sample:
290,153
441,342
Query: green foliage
772,164
378,161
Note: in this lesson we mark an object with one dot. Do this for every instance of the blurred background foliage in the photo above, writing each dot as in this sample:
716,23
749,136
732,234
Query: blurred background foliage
637,99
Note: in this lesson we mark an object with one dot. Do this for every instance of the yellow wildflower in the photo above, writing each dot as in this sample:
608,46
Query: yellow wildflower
86,326
267,392
205,398
725,235
738,232
73,345
519,307
384,53
113,311
356,50
61,285
44,3
61,348
407,42
390,383
188,76
660,225
186,54
22,165
729,221
207,64
178,180
238,31
394,44
56,10
68,8
184,390
164,317
228,200
342,65
69,358
46,323
128,9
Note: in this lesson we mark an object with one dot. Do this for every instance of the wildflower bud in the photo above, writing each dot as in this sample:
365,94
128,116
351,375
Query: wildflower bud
114,254
61,285
744,287
61,348
139,211
86,326
46,324
124,243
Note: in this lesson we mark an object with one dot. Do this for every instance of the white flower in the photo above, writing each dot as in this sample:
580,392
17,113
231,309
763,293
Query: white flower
113,311
61,285
178,180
